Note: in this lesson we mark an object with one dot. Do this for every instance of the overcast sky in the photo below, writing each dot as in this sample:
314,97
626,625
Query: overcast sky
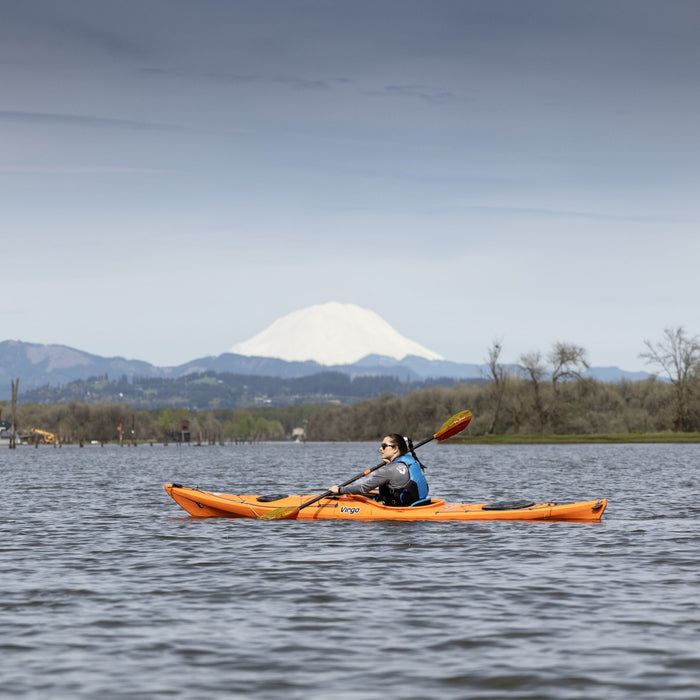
175,175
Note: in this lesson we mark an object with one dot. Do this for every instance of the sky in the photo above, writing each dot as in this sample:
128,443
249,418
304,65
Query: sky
175,175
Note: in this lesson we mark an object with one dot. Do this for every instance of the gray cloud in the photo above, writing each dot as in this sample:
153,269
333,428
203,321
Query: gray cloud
79,120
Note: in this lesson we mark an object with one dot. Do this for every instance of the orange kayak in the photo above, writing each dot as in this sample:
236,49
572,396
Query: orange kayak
210,504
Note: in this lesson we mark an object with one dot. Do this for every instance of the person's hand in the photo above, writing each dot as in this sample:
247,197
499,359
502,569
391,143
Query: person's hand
334,489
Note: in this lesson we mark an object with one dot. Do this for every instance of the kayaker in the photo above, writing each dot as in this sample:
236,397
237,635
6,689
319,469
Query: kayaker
400,481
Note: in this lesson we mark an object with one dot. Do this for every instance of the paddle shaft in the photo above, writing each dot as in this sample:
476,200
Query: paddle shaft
450,427
359,476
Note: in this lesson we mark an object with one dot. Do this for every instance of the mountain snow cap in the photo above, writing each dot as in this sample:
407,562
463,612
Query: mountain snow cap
331,334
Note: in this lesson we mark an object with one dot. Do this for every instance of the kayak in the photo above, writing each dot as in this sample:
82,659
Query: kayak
211,504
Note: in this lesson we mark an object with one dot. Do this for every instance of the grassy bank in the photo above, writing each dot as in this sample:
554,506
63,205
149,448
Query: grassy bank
536,439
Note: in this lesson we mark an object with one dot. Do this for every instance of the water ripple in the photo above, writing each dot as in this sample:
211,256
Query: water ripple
110,590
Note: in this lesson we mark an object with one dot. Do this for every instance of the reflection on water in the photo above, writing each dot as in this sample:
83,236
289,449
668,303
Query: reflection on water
109,589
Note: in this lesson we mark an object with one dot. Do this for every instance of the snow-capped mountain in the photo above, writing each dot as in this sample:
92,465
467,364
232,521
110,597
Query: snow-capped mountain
331,334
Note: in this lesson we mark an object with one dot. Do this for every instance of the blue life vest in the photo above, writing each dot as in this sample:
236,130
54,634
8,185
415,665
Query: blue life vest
415,490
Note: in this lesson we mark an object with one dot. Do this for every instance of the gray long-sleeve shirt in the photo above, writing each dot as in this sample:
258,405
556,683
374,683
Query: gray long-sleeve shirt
395,475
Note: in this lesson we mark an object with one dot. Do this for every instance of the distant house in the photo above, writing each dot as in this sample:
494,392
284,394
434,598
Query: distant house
5,432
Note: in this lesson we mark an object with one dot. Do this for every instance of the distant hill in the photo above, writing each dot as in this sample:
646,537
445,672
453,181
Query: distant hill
39,366
615,374
211,390
35,365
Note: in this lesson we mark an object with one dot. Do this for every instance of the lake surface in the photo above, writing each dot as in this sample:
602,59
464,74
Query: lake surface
110,590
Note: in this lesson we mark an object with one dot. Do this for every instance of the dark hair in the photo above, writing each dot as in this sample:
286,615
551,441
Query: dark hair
400,442
405,446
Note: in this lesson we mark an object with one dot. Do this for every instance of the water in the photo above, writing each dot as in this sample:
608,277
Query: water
110,590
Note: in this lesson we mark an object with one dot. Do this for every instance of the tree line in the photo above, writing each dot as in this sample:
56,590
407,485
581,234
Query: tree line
80,422
546,393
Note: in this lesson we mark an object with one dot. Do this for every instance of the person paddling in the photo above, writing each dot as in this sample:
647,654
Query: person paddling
400,481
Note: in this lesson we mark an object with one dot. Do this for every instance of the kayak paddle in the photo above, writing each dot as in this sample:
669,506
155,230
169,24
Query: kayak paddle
449,428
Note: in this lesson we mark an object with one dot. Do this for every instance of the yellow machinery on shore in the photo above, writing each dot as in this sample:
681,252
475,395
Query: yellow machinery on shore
42,437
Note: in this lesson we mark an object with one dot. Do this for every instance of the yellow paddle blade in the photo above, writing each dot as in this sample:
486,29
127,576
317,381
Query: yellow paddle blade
454,425
280,514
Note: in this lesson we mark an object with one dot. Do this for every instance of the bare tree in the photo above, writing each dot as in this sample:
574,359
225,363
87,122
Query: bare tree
515,405
678,355
13,421
566,361
534,370
498,376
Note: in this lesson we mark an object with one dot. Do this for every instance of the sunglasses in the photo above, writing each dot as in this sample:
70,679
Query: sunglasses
384,445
